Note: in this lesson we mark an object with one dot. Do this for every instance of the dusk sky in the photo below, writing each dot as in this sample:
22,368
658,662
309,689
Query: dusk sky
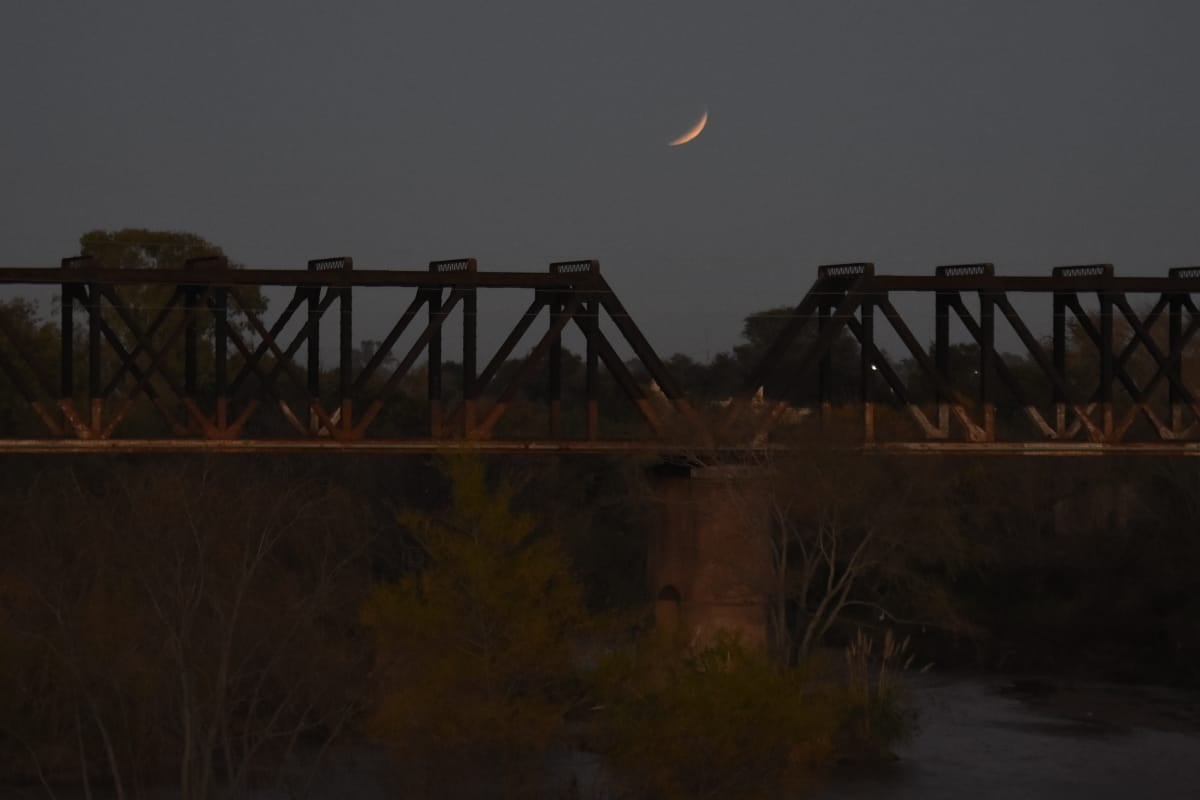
909,133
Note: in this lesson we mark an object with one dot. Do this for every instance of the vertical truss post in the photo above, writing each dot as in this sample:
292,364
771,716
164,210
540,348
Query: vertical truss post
220,309
1106,361
1178,300
95,396
1059,338
434,390
433,371
941,356
1174,337
346,354
221,354
314,352
72,292
1065,297
866,368
189,343
825,364
945,300
584,306
987,356
66,361
470,346
592,324
341,290
554,371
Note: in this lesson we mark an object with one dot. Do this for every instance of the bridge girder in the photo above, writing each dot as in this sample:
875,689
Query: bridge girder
221,379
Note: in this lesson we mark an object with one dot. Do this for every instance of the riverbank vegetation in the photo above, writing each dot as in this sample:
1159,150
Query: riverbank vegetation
221,624
481,657
225,625
724,720
228,623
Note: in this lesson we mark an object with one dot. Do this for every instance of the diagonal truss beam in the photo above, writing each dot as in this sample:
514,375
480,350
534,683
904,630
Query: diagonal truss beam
142,350
27,390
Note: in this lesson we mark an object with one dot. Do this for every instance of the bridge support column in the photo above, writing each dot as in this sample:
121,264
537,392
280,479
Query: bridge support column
709,560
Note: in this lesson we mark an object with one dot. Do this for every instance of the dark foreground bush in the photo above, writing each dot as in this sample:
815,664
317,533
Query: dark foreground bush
726,722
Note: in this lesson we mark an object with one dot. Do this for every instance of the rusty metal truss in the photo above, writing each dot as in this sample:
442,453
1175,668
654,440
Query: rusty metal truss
1055,411
213,373
252,394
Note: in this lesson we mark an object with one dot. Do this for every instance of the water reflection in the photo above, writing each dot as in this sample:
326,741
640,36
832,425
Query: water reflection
979,744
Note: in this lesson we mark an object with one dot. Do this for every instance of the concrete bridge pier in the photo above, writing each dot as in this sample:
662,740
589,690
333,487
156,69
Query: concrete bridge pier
709,561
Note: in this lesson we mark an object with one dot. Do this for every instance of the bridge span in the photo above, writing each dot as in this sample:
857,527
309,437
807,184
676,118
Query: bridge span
187,360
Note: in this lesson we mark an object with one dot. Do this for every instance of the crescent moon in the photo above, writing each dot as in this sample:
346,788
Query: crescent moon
692,132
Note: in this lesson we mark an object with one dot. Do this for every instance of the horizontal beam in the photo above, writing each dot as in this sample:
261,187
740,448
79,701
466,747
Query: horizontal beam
283,446
1030,283
579,446
425,278
1046,448
198,276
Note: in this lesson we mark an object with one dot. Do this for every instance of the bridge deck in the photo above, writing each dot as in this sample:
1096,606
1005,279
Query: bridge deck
551,446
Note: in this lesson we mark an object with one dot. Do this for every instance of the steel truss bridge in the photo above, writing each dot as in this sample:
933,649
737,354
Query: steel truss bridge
179,360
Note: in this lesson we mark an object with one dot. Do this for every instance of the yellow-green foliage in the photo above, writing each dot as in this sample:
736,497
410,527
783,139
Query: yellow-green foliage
722,722
876,708
473,654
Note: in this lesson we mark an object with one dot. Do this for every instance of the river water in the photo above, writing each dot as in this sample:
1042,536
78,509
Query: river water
1069,743
976,742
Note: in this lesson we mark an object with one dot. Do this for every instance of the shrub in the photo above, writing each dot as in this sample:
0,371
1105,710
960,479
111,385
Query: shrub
473,655
875,706
719,722
726,721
